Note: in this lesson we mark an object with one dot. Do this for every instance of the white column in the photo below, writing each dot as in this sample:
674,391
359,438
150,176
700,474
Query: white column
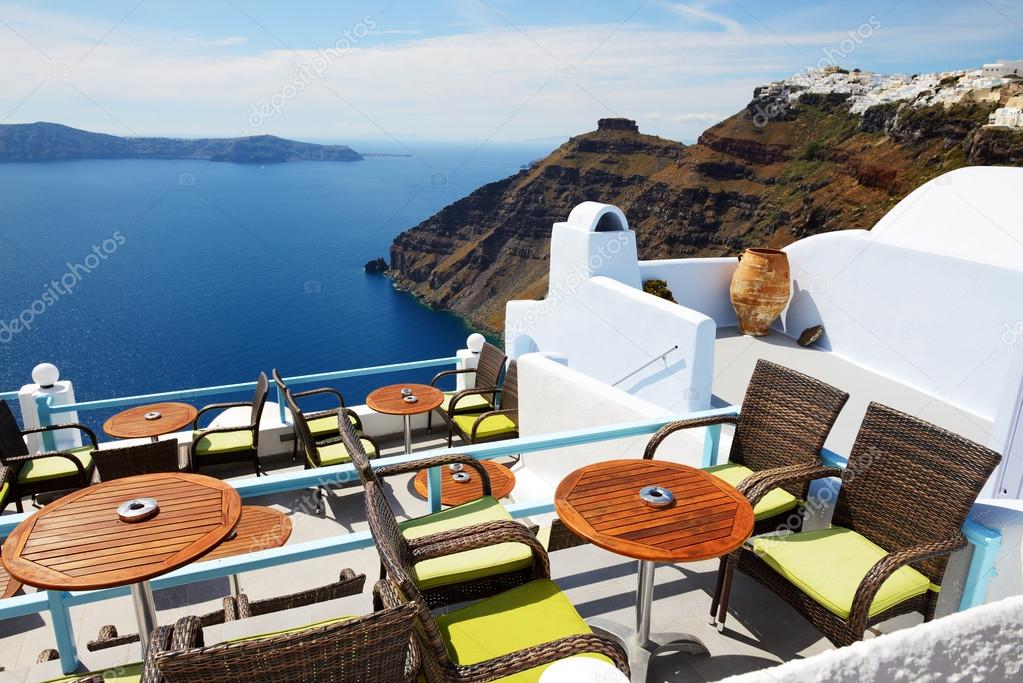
47,382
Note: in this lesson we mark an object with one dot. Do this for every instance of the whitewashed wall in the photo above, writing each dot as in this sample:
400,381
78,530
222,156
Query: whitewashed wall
697,283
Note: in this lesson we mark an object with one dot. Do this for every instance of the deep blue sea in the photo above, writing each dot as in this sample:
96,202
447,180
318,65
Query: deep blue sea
175,274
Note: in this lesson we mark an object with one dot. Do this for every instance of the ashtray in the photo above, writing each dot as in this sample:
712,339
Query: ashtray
456,467
137,509
410,399
406,392
656,496
461,477
153,415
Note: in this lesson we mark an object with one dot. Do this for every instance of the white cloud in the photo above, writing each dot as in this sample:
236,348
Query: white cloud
698,10
688,117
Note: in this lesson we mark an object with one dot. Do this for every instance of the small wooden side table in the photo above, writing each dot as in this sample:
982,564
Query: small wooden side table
700,518
390,401
259,528
80,543
152,420
502,481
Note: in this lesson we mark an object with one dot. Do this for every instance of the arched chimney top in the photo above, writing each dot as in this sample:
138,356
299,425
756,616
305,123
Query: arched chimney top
597,217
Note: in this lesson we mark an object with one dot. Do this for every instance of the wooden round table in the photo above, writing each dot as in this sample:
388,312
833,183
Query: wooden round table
259,528
133,423
79,542
452,492
390,401
708,518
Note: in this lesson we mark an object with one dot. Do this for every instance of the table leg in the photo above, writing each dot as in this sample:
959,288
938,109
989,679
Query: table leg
145,611
408,435
644,600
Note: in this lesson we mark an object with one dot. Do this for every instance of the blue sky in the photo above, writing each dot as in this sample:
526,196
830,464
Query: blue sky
454,70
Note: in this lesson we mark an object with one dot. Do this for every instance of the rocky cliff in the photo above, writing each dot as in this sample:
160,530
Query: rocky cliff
777,171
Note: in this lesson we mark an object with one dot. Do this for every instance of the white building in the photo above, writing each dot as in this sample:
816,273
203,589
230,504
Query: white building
1003,68
1009,117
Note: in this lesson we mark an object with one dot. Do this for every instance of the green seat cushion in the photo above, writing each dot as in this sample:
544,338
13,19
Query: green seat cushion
471,564
55,467
531,614
286,631
474,403
829,564
129,673
774,503
224,442
337,454
326,425
495,425
4,490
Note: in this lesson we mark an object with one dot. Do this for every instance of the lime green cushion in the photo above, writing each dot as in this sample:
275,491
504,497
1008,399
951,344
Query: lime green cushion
337,454
4,490
531,614
473,403
286,631
471,564
55,467
774,503
829,564
495,425
325,425
129,673
225,442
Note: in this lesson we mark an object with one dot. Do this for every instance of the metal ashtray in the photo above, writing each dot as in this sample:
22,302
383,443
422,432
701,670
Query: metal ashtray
137,509
153,415
656,496
461,477
456,467
410,399
406,392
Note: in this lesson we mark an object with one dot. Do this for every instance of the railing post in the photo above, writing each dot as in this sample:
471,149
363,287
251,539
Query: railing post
711,444
280,403
62,630
433,486
986,543
43,410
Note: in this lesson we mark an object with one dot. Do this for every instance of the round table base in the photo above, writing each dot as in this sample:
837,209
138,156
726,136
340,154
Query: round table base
657,645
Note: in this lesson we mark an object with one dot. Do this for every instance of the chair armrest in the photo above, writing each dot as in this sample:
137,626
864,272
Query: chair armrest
493,391
438,461
661,434
522,660
183,635
70,425
482,535
448,373
759,484
887,566
492,413
108,637
218,406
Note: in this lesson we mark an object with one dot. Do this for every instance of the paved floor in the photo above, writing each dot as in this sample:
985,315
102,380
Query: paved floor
763,631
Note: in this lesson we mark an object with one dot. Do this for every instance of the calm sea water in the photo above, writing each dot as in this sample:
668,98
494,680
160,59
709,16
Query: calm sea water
174,274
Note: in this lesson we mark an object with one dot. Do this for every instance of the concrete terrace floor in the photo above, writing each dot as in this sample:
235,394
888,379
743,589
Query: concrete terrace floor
762,630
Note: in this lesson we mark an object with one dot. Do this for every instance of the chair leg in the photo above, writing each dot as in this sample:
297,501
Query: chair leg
17,503
429,422
726,589
716,600
294,448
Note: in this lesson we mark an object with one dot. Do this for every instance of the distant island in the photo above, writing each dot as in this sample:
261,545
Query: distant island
54,142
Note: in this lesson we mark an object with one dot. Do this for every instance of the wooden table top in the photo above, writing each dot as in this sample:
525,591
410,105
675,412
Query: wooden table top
132,423
388,400
601,503
260,528
8,584
79,543
502,481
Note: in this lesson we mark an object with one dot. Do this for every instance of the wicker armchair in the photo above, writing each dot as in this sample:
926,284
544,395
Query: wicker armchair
488,424
375,647
145,458
164,639
214,446
905,495
7,488
32,475
529,626
487,375
322,424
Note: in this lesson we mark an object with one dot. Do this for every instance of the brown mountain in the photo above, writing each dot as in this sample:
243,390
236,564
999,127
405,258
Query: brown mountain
771,174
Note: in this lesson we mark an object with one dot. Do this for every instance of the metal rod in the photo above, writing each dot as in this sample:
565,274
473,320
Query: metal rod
236,588
408,435
644,600
645,365
145,611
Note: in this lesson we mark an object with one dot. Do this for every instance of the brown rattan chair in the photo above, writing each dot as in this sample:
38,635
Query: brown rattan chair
529,626
905,494
374,647
163,639
144,458
32,475
240,607
214,446
322,424
487,375
478,574
489,424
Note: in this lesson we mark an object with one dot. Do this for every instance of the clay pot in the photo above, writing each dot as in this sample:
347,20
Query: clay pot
760,289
